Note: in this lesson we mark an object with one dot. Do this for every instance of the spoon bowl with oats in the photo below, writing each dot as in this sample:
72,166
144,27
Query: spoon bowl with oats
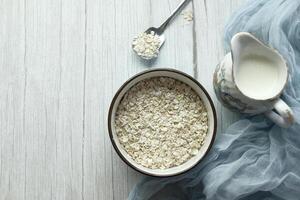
162,122
147,44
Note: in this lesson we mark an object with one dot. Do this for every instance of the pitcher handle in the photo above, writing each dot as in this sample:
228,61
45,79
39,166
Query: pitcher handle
283,116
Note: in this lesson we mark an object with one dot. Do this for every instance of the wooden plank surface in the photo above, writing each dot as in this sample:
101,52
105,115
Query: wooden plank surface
61,62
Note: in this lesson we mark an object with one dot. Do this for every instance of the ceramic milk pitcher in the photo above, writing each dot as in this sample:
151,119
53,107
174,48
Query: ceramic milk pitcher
251,78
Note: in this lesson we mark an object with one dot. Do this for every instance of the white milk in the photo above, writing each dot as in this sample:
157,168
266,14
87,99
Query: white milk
257,76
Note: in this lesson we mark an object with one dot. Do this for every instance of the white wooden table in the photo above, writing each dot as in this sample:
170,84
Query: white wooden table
61,62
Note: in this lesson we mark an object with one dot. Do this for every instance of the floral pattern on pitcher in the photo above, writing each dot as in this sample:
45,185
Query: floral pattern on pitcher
222,86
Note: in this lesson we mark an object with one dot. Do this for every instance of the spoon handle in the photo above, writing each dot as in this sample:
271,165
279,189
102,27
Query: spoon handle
175,12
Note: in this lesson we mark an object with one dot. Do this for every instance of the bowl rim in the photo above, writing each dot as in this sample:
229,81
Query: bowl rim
109,120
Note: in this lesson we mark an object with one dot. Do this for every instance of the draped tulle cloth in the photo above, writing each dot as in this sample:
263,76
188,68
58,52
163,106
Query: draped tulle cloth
253,159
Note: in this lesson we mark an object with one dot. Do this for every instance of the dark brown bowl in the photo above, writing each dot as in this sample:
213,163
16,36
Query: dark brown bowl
198,88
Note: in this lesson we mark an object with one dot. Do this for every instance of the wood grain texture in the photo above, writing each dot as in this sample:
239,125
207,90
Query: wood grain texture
210,19
61,61
12,75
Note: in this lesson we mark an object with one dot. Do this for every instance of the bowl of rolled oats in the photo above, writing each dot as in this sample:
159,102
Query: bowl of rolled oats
162,122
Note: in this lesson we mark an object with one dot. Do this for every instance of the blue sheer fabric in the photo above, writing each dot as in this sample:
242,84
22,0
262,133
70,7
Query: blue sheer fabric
253,159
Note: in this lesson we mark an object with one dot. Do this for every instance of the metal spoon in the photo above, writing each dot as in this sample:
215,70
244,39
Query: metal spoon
160,30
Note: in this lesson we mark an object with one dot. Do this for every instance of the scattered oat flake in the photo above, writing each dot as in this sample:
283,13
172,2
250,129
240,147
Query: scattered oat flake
161,123
188,15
